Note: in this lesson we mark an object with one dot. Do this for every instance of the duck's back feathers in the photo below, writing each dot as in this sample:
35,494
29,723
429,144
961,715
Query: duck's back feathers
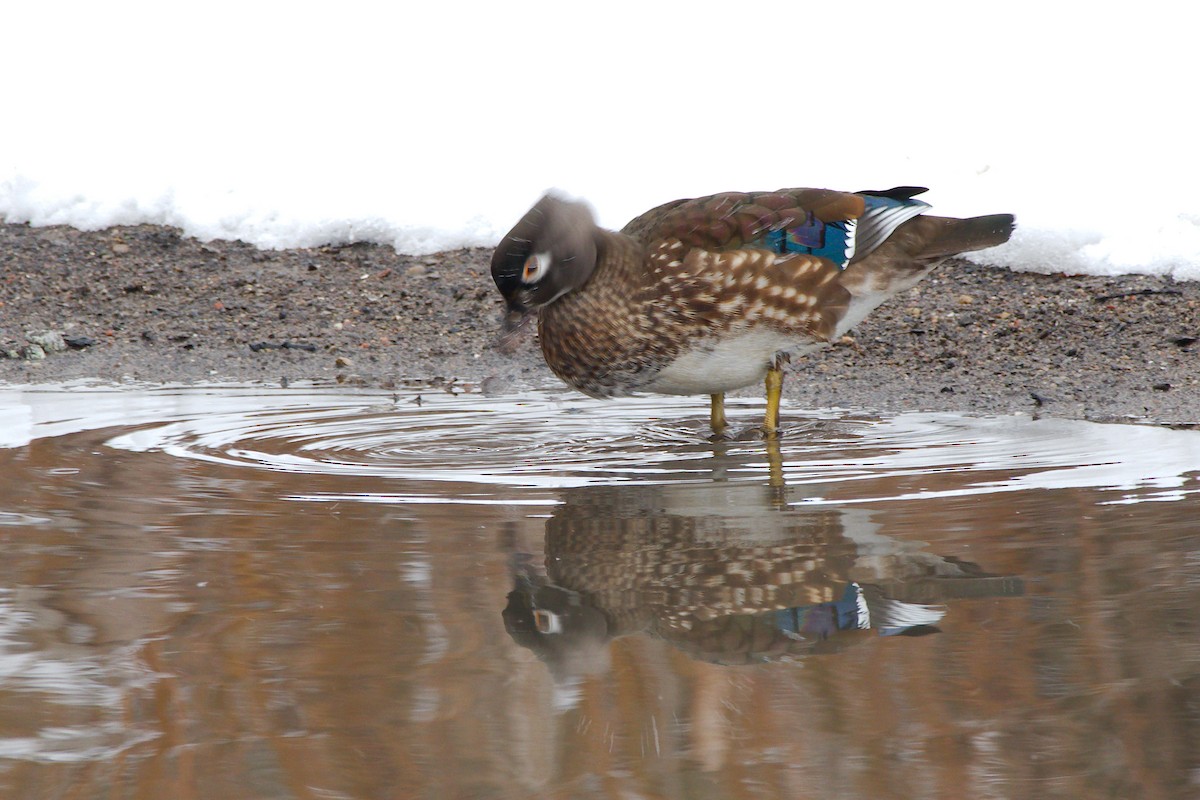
839,226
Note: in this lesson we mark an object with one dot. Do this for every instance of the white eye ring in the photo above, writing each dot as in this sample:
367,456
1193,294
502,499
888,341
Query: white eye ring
536,267
547,622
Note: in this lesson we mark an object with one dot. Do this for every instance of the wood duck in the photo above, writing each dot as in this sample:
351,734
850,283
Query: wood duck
711,294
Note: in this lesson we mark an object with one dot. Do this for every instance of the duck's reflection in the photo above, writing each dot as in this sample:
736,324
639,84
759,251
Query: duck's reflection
725,573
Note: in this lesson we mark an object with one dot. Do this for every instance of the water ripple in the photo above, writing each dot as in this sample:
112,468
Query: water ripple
553,440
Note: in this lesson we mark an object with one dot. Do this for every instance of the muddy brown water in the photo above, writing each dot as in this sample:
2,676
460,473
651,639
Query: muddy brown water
241,592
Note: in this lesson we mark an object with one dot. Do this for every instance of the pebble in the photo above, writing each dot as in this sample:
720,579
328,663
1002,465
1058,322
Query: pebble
47,341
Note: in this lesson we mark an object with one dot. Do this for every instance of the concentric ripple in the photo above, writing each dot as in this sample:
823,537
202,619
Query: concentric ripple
539,439
552,440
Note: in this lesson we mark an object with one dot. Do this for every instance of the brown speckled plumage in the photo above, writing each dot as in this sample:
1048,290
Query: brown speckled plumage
703,295
730,582
642,310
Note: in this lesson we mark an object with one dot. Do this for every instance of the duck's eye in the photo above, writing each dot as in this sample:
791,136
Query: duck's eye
536,267
547,622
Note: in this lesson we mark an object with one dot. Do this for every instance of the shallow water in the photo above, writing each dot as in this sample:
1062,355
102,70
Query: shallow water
235,592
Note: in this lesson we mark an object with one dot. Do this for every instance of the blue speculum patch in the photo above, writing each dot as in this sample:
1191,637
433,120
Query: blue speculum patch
828,240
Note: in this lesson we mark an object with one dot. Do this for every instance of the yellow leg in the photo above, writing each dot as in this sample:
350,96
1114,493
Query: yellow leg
716,416
775,471
774,463
774,392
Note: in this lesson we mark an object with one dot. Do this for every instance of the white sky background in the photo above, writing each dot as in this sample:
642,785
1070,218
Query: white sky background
433,125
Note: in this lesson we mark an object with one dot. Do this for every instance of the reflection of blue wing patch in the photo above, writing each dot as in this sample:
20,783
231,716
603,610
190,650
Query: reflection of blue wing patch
824,619
833,240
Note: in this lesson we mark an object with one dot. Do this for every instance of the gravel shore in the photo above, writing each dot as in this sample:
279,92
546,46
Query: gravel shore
147,304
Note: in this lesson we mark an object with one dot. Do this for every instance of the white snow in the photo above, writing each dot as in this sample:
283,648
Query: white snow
435,125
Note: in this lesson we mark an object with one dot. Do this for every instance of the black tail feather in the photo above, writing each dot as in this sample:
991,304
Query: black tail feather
896,192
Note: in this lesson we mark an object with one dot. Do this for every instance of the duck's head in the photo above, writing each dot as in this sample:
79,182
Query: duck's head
550,252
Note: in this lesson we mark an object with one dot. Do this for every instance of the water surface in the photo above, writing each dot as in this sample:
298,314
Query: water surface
229,592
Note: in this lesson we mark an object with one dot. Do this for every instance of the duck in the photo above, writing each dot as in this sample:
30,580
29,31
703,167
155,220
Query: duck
710,294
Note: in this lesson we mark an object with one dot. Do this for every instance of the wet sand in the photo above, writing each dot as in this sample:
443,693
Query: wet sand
146,304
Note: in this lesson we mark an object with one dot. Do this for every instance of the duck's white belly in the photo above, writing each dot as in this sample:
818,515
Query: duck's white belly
725,364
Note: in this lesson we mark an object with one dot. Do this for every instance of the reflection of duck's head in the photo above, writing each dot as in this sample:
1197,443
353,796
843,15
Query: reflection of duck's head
569,635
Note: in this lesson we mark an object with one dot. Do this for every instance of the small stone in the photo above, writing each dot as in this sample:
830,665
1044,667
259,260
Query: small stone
342,361
1161,387
33,352
120,248
965,300
48,341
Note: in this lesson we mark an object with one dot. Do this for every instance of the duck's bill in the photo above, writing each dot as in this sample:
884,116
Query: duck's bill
516,322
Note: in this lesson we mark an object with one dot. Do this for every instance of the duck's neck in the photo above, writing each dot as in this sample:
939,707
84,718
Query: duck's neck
595,330
620,270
